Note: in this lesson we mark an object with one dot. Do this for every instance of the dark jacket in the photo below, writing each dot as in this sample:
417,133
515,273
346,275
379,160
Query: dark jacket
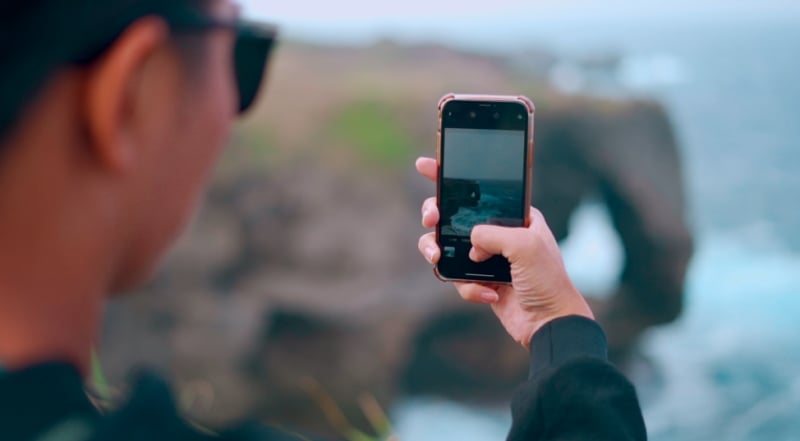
572,394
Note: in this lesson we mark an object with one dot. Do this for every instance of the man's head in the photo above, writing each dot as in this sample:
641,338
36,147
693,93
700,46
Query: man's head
117,112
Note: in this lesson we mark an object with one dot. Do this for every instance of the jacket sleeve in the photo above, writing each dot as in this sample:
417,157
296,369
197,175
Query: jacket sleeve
573,393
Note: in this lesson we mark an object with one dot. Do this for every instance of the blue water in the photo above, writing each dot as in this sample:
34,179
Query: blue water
729,369
498,200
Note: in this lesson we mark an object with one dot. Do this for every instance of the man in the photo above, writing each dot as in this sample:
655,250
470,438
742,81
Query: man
113,114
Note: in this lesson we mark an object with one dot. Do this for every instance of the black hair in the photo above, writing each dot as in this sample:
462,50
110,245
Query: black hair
39,36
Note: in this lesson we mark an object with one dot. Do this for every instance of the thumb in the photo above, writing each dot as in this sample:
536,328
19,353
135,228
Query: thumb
491,240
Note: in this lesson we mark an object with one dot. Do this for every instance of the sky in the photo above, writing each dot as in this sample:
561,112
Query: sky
361,10
359,19
503,153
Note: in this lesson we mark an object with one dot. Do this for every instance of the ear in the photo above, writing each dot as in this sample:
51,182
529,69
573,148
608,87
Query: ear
111,88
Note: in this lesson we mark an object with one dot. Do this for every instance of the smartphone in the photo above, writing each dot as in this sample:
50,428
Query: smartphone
485,157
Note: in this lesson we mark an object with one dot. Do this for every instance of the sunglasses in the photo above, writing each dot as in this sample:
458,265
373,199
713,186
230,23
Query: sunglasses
254,44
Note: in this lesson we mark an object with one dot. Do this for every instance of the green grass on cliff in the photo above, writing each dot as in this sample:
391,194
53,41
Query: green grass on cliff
371,129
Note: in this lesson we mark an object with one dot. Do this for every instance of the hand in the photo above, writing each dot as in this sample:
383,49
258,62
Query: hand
540,290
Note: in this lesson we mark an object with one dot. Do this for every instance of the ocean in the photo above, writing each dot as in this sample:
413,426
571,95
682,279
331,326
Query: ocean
729,369
499,204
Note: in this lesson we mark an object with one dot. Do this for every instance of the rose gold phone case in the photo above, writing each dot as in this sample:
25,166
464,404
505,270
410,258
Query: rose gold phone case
528,103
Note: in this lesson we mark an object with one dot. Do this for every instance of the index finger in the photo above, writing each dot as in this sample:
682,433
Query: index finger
428,167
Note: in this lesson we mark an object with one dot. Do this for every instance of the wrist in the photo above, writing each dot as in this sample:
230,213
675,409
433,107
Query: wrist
575,306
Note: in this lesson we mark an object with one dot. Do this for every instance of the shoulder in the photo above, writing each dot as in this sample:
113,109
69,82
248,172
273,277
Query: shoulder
152,414
48,402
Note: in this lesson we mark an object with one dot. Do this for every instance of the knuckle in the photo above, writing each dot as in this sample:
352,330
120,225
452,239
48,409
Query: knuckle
478,233
430,238
429,205
465,291
469,292
422,242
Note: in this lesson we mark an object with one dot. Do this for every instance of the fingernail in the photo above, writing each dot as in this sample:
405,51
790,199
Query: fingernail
490,297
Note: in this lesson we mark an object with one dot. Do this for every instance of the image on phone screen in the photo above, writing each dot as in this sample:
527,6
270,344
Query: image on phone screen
482,180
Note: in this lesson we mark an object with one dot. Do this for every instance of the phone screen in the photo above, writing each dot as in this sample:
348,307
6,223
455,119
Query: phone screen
483,180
